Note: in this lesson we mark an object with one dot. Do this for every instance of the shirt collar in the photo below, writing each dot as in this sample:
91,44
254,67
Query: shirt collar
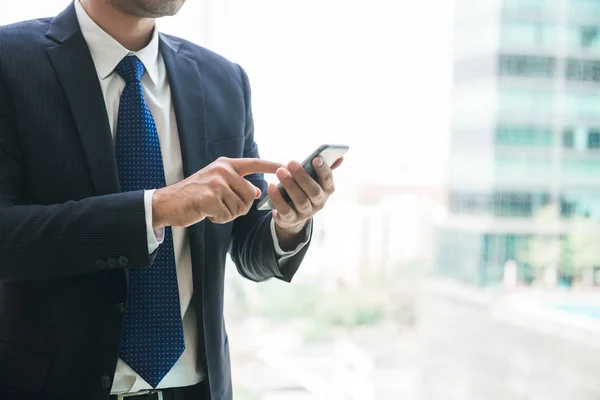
107,53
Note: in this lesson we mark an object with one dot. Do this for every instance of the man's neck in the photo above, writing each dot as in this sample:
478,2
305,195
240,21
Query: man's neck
134,33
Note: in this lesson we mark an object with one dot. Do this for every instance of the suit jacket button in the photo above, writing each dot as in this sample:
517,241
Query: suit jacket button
123,261
105,382
100,263
120,307
111,262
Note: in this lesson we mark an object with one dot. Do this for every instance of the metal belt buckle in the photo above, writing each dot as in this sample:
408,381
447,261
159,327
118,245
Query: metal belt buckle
141,393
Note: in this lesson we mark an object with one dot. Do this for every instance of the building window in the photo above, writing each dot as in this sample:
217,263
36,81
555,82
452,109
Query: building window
469,203
582,203
514,135
568,139
583,70
499,204
508,204
583,37
567,208
594,140
529,66
518,204
581,138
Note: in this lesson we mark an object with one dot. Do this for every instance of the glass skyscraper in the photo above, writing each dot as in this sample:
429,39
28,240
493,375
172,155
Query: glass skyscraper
525,131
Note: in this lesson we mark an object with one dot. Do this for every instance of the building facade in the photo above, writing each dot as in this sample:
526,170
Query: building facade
525,131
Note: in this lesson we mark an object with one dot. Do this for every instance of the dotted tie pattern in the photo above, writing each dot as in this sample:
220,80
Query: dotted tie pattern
152,341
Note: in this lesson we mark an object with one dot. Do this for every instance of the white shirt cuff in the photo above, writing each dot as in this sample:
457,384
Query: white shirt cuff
155,237
284,255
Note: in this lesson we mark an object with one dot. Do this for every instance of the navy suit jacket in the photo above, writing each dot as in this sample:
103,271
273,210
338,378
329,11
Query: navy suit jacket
68,234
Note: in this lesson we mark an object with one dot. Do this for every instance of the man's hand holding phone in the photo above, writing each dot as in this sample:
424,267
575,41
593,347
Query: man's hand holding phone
307,197
217,192
220,193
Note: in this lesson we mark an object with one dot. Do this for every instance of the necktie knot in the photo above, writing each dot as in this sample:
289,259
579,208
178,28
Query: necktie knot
131,69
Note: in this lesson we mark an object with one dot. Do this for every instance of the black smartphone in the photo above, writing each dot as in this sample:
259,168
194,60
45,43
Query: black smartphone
330,154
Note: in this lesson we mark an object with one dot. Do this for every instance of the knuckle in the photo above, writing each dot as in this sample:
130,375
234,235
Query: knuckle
329,187
301,176
231,209
212,196
224,165
241,207
319,197
221,168
218,180
284,211
304,206
286,215
250,192
287,178
225,215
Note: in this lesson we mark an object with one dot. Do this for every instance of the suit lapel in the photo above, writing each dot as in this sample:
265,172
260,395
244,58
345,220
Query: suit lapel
188,101
190,110
76,71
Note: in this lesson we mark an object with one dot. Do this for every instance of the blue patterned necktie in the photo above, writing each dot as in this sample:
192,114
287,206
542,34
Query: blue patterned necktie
152,341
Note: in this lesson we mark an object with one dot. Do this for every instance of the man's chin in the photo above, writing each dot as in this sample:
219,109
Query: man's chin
149,8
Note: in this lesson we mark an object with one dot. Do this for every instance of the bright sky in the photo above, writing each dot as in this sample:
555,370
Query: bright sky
375,74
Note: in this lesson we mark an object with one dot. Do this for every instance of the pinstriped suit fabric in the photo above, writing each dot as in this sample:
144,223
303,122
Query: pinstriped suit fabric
67,230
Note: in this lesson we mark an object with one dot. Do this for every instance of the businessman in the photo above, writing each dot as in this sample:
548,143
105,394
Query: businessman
128,169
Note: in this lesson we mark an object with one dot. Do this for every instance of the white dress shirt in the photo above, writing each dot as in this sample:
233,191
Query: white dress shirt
106,53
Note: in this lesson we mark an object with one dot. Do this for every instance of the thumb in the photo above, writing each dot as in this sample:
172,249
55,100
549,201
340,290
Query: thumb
257,194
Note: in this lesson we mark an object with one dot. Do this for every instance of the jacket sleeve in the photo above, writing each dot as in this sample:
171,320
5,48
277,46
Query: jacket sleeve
252,248
76,237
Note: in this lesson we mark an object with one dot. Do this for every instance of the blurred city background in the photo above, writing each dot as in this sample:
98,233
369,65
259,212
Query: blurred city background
458,258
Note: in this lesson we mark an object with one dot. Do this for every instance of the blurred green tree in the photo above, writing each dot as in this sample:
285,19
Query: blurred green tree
582,243
569,254
544,250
